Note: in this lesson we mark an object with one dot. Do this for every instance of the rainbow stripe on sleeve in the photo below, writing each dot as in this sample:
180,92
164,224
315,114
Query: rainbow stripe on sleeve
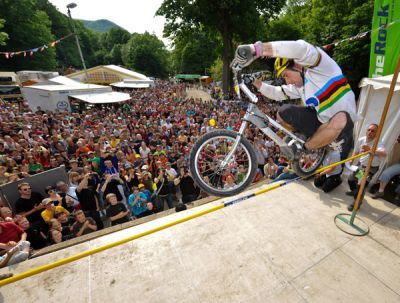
332,91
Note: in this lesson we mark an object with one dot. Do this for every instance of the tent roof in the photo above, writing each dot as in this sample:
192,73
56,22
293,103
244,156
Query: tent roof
109,97
113,68
187,76
380,82
64,80
58,87
125,71
130,85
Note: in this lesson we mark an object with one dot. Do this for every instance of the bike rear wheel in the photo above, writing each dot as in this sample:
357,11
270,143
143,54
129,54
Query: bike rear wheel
210,170
309,162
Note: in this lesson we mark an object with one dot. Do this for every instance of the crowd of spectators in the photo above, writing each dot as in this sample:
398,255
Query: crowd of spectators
123,161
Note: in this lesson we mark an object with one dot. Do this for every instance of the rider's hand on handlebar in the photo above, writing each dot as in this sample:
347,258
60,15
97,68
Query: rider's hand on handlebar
244,56
248,79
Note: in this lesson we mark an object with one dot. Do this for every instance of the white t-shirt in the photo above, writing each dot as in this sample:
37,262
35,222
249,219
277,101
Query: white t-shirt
325,87
364,159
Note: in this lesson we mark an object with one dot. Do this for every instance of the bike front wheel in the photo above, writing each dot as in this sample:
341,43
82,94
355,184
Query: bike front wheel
213,172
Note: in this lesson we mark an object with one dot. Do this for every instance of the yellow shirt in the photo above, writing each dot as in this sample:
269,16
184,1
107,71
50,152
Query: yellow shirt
47,214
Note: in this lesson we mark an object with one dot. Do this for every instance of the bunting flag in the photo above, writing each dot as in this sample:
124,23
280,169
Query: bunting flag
9,55
359,36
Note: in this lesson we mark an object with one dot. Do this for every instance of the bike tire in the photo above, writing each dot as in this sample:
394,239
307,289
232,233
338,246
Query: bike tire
194,158
299,168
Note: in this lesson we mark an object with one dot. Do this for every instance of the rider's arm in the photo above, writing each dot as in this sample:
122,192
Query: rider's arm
301,51
278,93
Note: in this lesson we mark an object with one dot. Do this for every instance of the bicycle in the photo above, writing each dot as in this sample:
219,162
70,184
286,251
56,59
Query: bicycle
223,162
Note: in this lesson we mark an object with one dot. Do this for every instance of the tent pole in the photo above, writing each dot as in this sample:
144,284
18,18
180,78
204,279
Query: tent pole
375,145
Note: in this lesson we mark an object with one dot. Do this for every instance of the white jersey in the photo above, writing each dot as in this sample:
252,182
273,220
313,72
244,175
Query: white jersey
325,87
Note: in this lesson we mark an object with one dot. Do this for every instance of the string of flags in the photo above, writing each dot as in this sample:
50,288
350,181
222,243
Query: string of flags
30,52
359,35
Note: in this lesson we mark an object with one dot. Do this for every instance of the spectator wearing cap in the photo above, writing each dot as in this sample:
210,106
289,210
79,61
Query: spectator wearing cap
73,164
51,209
94,161
170,170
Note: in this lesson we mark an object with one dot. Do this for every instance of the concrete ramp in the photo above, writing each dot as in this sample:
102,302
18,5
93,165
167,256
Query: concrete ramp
281,246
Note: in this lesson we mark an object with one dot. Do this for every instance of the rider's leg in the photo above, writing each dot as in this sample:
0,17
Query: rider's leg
338,133
327,132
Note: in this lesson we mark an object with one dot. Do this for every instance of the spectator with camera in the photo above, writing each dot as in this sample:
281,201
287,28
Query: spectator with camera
187,186
139,204
163,189
88,200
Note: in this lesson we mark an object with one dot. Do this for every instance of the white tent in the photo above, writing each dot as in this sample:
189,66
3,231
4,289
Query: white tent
374,92
110,97
55,95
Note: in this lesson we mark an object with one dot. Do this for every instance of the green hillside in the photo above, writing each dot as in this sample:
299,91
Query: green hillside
101,25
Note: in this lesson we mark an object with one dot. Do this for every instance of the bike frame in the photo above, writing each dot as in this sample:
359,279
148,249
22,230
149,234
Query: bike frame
255,116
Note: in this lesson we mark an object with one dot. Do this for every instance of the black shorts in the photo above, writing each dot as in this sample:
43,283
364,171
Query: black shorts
302,118
305,120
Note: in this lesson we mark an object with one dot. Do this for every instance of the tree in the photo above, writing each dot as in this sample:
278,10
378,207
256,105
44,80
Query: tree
190,56
27,28
3,35
324,22
146,54
227,17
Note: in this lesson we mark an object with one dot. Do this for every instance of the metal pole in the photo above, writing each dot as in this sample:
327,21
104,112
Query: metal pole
77,43
377,136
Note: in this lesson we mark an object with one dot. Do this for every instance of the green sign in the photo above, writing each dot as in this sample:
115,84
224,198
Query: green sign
187,76
385,38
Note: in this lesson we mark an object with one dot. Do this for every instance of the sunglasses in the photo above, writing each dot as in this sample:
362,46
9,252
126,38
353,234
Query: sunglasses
26,188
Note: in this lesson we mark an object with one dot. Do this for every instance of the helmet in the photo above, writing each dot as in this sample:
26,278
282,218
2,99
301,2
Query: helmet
281,64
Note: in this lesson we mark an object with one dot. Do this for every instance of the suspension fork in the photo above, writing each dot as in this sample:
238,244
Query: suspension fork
235,144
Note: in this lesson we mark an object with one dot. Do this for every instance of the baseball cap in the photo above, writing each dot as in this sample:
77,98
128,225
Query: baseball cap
140,185
145,167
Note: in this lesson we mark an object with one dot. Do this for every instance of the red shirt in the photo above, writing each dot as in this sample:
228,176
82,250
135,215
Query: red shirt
10,232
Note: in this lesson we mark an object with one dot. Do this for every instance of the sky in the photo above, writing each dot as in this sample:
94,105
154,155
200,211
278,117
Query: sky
133,15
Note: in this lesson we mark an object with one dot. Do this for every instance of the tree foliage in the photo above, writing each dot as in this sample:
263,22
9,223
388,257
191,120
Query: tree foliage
3,35
27,28
147,54
324,22
230,18
194,53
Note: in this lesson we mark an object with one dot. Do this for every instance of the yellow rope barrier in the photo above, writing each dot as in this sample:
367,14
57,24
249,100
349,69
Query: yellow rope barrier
87,253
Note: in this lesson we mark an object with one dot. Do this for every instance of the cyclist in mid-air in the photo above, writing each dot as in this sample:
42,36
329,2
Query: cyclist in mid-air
310,74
